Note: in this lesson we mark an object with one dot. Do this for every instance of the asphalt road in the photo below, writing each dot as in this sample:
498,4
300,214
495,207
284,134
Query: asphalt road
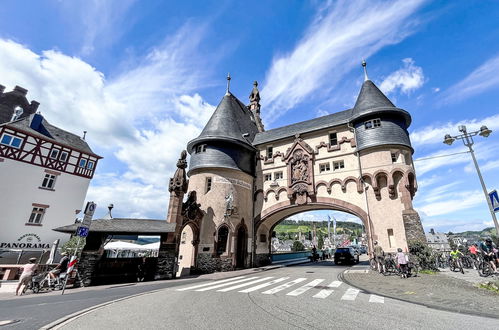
308,296
35,311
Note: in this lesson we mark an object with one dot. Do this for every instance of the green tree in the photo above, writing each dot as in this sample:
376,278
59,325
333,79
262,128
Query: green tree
70,246
297,246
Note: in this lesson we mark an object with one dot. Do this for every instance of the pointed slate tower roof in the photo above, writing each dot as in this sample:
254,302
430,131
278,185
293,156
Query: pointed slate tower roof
232,122
372,101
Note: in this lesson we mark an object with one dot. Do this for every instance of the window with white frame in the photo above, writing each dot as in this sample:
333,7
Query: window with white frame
278,176
268,177
11,141
90,165
201,148
54,153
333,139
49,181
36,216
83,163
63,156
324,167
373,123
270,152
338,165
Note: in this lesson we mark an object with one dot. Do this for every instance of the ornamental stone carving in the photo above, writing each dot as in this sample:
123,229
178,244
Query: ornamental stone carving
191,210
299,159
179,182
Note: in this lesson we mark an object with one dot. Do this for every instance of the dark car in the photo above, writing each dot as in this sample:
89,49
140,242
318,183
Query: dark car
346,255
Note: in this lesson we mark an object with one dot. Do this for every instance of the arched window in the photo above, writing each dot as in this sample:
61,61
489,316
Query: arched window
223,235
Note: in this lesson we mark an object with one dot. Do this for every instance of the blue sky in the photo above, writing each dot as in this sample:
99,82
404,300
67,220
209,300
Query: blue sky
143,77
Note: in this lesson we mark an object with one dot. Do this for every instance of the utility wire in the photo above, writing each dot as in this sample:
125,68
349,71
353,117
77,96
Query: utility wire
440,156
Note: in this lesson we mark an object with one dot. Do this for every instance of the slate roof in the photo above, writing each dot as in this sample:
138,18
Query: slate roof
51,132
230,120
372,101
334,119
123,226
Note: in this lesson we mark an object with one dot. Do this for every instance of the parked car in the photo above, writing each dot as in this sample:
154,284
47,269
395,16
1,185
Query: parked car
363,249
346,255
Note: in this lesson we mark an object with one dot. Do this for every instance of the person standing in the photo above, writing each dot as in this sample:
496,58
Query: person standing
28,271
379,256
402,262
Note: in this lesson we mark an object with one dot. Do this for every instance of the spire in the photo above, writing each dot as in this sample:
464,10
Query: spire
364,65
228,83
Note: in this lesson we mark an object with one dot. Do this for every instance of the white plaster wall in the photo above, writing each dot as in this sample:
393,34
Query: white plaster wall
19,189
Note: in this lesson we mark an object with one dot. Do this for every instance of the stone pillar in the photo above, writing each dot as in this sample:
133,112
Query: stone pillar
262,259
92,253
167,259
413,228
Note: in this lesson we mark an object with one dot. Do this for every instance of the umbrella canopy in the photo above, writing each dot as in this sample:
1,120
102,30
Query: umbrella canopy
123,246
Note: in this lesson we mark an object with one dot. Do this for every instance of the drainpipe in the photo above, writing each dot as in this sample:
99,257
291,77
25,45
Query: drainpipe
370,229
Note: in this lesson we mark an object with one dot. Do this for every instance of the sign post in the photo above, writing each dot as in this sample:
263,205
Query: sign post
82,231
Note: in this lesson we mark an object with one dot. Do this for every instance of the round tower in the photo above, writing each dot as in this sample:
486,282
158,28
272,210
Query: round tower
222,171
385,159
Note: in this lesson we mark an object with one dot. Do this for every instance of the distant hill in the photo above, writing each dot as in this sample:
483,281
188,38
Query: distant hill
487,232
293,227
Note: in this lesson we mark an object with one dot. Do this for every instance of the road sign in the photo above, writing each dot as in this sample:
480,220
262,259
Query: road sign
89,212
82,231
494,200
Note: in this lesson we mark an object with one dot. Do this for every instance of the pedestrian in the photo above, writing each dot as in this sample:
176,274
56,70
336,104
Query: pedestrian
402,262
28,271
314,253
61,267
379,256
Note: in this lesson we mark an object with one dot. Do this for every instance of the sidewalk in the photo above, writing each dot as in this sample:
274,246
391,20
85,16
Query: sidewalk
435,291
204,277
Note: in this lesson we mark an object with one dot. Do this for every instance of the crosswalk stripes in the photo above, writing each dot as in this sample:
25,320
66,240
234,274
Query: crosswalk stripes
350,294
255,283
211,283
230,288
216,286
305,288
376,299
264,285
324,293
284,286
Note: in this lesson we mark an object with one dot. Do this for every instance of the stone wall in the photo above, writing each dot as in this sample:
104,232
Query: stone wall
167,262
87,264
207,264
413,228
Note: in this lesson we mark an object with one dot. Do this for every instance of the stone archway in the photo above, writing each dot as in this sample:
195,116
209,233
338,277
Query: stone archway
187,249
241,246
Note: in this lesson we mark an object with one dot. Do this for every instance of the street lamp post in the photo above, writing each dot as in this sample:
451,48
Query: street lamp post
467,138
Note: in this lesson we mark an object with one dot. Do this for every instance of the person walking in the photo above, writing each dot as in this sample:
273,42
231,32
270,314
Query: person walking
402,262
28,271
379,256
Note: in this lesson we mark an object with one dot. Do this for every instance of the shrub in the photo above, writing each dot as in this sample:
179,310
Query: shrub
298,246
423,254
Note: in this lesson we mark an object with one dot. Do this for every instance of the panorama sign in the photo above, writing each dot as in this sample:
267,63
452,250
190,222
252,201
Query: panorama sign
26,241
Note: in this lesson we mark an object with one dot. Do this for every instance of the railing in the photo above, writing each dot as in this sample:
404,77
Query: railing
290,256
12,272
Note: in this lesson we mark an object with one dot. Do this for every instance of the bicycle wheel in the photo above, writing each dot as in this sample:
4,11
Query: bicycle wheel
35,288
372,263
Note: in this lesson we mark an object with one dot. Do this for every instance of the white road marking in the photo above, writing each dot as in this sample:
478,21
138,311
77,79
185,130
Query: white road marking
211,283
216,286
350,294
245,284
284,286
376,299
327,292
264,285
305,288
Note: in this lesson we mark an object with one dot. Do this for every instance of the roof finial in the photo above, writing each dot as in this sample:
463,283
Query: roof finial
228,83
364,64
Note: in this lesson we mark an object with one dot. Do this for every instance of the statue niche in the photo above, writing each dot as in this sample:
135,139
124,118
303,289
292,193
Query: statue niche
299,159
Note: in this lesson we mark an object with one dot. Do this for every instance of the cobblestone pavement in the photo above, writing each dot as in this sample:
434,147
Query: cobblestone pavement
435,291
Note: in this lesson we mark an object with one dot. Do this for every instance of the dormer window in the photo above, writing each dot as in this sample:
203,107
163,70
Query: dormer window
201,148
373,123
11,141
18,111
54,153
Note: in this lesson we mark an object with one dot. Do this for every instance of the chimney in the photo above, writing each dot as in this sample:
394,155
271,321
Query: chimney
34,106
432,231
20,90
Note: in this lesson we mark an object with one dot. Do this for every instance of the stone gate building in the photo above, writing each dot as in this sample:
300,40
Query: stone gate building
243,180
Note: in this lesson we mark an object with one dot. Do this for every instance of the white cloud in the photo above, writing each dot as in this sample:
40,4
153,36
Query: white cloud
435,134
483,78
342,33
453,202
145,115
407,79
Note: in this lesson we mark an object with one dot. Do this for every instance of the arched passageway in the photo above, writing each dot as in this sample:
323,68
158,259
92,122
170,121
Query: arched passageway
186,256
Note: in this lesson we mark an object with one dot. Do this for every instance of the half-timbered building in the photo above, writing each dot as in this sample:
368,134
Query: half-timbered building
45,172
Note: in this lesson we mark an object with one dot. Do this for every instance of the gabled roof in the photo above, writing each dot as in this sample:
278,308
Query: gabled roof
372,101
230,120
36,125
123,226
334,119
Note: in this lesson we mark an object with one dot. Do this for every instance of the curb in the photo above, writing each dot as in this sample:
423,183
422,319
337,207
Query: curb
432,306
